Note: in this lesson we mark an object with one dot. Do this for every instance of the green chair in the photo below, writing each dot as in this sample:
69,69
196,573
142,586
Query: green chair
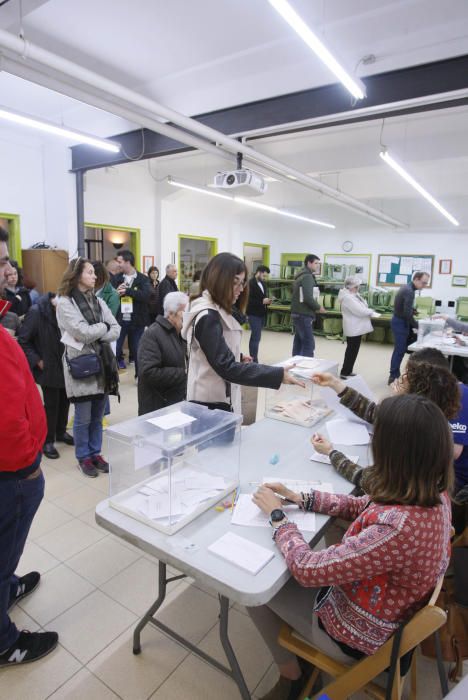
462,308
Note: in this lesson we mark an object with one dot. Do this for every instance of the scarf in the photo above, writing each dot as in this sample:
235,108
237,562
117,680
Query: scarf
91,311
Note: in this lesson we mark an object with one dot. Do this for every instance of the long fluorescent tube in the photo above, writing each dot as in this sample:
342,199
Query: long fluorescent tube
186,186
354,85
248,202
50,128
283,212
411,181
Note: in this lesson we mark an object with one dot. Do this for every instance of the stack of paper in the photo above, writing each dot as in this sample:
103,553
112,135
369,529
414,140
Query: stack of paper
243,553
189,488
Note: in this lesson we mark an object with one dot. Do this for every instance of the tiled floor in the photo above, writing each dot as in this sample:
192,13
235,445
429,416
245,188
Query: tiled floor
94,587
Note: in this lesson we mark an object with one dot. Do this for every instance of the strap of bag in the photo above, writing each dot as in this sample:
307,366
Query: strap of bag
393,661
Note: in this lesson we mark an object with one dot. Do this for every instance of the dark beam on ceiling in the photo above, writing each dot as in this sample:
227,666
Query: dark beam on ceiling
384,88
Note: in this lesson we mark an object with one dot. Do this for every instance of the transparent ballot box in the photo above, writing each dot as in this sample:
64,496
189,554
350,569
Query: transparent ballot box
168,466
295,404
433,327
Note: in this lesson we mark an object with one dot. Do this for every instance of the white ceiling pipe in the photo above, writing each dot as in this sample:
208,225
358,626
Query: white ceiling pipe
32,53
373,111
21,70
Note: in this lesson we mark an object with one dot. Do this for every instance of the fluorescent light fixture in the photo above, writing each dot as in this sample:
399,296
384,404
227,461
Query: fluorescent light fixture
248,202
283,212
186,186
411,181
50,128
354,85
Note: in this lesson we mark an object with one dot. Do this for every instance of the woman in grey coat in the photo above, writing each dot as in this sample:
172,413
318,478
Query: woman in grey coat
87,326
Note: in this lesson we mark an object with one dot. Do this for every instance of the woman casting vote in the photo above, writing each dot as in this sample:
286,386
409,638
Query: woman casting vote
216,368
350,598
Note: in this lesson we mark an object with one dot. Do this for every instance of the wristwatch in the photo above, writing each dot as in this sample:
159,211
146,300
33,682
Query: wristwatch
277,517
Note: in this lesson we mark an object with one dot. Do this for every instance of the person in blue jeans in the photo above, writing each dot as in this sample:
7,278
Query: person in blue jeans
403,320
304,306
23,429
88,327
257,308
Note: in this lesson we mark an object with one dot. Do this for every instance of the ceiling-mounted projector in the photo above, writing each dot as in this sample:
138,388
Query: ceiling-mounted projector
245,181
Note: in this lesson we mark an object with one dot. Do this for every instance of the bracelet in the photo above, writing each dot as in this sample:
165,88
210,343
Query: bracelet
308,500
284,522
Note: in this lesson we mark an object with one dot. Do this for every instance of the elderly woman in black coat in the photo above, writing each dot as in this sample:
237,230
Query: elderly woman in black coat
39,336
162,377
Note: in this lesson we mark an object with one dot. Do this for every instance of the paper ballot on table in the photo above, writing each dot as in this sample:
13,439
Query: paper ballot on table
171,420
248,514
346,432
242,552
325,459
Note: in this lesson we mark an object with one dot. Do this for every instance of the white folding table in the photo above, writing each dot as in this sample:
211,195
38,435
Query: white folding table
187,550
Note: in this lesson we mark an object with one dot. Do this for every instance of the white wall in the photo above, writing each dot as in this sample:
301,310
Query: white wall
125,196
35,183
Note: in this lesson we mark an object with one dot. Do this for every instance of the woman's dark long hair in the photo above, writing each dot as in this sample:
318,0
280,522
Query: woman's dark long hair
218,279
413,453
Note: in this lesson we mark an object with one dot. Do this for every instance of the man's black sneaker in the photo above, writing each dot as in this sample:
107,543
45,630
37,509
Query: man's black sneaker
30,646
26,585
50,451
66,438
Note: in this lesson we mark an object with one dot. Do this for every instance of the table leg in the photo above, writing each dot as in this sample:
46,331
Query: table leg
233,671
228,650
148,616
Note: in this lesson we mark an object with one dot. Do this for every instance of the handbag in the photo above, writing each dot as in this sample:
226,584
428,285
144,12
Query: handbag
84,366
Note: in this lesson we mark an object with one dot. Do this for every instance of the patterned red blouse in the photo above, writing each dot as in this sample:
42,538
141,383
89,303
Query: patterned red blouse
382,572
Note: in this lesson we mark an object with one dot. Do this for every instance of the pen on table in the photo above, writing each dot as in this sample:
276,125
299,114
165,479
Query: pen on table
285,500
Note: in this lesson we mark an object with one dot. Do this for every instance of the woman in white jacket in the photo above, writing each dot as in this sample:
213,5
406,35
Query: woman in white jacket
356,322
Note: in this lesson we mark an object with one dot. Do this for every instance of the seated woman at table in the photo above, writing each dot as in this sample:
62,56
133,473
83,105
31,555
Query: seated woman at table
347,600
426,374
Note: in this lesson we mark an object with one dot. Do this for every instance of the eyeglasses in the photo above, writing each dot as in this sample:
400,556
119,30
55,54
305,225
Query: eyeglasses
240,284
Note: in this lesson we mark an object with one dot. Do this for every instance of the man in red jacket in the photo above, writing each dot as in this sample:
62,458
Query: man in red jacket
22,434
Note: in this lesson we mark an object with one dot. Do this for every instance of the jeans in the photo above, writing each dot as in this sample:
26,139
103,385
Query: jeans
19,501
134,336
87,427
256,324
56,406
353,344
401,334
304,341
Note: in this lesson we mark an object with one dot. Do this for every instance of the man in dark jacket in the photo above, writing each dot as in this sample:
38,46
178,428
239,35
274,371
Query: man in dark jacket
257,308
39,336
403,320
162,376
168,284
304,306
135,291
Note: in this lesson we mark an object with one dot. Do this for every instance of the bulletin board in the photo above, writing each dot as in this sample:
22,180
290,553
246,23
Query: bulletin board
393,270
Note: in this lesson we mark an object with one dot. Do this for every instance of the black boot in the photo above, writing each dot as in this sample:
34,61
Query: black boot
286,689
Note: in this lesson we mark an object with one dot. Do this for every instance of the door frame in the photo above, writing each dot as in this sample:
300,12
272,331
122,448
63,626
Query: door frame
135,239
14,247
266,251
213,241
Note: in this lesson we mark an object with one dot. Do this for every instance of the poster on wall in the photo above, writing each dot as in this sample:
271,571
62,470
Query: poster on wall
148,261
